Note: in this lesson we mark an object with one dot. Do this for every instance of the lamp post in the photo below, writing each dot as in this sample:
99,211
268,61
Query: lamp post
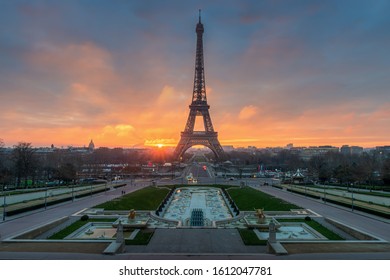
45,197
4,202
352,195
324,195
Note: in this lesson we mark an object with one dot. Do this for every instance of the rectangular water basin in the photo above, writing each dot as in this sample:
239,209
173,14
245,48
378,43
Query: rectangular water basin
293,231
94,231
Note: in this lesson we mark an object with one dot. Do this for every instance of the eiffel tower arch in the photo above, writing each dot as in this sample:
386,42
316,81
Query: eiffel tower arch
199,107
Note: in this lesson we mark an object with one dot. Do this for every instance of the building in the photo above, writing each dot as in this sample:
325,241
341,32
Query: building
308,153
351,150
383,150
91,146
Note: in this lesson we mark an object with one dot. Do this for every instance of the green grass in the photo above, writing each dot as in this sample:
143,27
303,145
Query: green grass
144,199
248,199
75,226
249,237
142,238
316,226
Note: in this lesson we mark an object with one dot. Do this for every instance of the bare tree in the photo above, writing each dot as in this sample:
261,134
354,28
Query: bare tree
386,171
5,173
67,173
25,162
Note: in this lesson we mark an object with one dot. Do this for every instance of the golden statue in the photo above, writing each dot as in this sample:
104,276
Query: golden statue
260,215
132,214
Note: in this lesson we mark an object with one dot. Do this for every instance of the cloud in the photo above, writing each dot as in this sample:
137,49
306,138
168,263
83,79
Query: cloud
85,62
123,74
119,130
247,112
170,142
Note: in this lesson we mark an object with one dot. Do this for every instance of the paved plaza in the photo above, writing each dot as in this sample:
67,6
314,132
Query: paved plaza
194,243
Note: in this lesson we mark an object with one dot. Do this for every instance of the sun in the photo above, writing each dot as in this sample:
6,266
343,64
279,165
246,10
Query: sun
160,145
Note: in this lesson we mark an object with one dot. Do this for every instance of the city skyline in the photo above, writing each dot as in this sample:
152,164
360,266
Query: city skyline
311,74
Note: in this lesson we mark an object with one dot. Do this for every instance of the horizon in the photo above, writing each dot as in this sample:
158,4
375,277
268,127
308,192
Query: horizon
162,147
312,74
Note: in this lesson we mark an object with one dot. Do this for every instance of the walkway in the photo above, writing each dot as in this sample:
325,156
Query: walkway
194,243
20,223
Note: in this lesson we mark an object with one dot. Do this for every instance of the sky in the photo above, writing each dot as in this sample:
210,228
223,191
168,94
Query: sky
121,72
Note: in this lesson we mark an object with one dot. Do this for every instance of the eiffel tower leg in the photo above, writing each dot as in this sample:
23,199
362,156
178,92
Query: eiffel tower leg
180,148
217,149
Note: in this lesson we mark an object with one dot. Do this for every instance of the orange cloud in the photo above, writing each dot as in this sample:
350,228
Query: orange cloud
160,142
247,112
84,62
119,130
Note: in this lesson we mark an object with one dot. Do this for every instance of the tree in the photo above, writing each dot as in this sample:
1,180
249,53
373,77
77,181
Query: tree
67,172
25,162
320,168
5,172
386,172
1,154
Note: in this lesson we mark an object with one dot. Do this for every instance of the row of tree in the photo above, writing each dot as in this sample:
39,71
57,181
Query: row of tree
24,165
365,168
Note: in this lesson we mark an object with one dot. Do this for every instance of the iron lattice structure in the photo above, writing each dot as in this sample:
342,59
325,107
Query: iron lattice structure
199,107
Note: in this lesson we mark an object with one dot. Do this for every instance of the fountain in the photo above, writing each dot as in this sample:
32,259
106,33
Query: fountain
131,214
94,230
261,221
132,220
289,231
207,200
260,215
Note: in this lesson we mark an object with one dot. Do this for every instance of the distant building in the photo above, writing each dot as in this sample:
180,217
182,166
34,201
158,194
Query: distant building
289,146
228,148
383,150
353,150
91,146
308,153
356,150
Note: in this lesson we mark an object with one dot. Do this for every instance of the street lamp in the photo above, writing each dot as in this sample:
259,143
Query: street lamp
4,202
324,195
45,197
352,196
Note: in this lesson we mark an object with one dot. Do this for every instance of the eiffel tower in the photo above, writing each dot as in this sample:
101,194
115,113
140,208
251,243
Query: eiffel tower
199,107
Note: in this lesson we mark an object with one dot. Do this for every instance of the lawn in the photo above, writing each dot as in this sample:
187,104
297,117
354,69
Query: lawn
144,199
250,238
142,238
248,199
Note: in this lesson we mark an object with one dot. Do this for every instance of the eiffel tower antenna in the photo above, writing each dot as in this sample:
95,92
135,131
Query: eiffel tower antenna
199,107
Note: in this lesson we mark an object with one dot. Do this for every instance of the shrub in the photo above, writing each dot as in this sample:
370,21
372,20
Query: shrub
84,218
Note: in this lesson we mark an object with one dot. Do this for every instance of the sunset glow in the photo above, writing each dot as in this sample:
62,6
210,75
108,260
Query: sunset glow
316,74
